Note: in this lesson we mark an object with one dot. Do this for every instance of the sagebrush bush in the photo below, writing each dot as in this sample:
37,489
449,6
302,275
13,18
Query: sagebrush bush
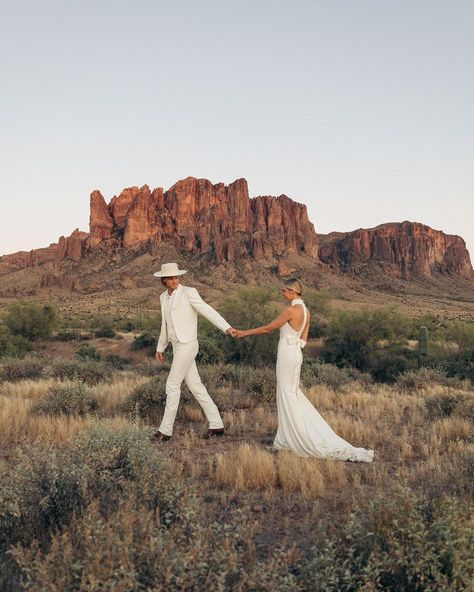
87,352
117,362
46,486
13,345
73,398
31,320
258,382
144,341
314,372
417,379
14,369
442,405
89,371
396,543
147,400
132,551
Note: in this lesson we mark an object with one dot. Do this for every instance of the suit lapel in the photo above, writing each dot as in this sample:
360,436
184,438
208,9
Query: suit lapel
177,296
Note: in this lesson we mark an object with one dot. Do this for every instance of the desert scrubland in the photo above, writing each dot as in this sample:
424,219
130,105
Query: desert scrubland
89,502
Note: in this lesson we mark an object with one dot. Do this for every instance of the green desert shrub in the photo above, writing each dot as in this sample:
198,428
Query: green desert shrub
14,369
117,362
210,350
443,405
45,486
144,341
417,379
31,320
147,400
458,364
396,543
259,383
103,326
314,372
13,345
371,341
73,398
251,307
65,335
87,352
387,363
89,371
132,551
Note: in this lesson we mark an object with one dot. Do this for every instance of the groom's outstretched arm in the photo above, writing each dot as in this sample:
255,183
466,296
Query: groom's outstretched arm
207,311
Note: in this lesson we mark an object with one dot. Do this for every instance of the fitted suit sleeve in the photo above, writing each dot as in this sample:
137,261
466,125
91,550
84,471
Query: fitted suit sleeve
163,339
207,311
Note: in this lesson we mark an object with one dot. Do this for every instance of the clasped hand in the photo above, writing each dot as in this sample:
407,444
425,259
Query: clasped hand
238,333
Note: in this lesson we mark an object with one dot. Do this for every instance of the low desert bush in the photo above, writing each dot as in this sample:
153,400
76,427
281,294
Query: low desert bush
147,400
13,345
89,371
117,362
65,335
73,399
31,320
423,377
314,372
131,551
46,486
87,352
259,383
396,543
443,405
14,369
107,332
144,341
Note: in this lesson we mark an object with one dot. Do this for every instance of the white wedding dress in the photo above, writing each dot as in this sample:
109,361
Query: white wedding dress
300,427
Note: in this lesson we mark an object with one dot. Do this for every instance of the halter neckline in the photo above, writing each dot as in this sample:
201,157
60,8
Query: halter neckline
296,301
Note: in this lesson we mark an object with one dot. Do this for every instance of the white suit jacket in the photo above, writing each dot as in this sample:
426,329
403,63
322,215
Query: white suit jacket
185,308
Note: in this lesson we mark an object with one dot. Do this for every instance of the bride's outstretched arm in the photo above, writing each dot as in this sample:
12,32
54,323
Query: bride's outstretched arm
277,322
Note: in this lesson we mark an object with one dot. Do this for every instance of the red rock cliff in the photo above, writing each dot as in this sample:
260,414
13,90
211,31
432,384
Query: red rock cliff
222,222
414,250
200,217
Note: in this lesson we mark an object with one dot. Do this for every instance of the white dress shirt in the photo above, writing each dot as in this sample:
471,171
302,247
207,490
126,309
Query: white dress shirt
169,321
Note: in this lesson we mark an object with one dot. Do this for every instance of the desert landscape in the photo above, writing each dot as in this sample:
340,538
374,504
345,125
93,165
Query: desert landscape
90,502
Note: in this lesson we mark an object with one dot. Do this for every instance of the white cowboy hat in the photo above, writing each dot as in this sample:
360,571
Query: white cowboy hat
169,270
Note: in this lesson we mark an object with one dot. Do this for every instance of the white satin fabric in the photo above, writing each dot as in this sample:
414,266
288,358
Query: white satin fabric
301,428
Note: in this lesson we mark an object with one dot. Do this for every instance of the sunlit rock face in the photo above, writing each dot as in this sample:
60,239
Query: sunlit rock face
414,249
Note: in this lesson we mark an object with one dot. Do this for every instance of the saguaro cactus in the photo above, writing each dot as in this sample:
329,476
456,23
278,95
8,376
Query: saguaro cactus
423,347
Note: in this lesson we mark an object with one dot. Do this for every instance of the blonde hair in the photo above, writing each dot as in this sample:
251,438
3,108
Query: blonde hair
295,285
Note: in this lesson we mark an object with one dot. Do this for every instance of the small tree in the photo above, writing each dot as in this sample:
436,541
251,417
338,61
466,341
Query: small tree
31,320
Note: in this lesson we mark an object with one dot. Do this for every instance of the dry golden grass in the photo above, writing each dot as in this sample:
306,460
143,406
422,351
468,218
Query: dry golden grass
111,395
245,467
19,426
409,446
299,475
27,389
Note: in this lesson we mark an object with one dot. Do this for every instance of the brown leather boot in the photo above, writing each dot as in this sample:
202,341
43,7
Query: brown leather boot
160,437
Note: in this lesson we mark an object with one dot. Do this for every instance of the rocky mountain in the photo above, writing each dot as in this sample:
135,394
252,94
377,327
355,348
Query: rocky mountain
221,224
412,249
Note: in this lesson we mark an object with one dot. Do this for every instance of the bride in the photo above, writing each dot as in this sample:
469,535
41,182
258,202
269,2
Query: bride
300,427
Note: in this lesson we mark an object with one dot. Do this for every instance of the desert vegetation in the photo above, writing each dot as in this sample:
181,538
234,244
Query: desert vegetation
88,502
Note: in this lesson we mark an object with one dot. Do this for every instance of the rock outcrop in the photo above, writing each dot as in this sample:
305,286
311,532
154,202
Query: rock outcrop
412,249
201,218
222,224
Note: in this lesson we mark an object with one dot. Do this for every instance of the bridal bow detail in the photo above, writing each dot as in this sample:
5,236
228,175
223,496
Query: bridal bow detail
294,340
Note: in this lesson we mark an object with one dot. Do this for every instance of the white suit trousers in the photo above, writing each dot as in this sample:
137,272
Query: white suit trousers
184,368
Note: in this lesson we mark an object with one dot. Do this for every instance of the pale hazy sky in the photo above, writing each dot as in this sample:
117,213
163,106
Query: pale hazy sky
361,109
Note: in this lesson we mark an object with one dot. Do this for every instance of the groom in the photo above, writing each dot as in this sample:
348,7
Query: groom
180,306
